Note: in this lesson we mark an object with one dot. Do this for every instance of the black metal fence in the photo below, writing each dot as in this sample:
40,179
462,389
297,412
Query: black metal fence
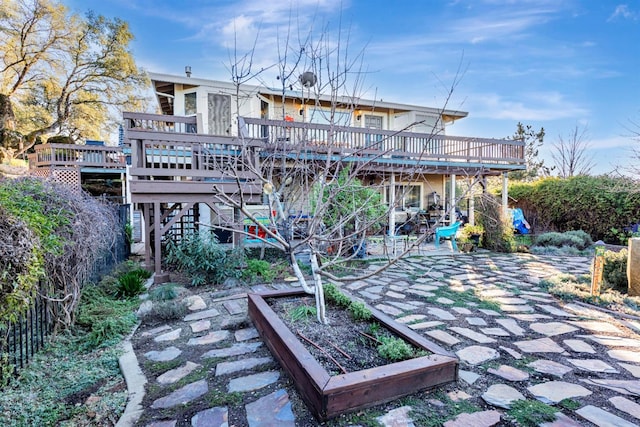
20,340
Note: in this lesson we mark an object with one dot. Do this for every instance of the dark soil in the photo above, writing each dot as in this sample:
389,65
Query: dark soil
341,346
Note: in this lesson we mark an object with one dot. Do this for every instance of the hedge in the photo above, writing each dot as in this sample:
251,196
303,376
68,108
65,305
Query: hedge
597,205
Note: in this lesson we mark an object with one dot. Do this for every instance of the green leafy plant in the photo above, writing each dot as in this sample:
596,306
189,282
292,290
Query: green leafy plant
577,239
201,257
615,270
332,294
359,311
257,268
596,205
130,285
104,318
163,292
531,413
394,349
302,312
163,311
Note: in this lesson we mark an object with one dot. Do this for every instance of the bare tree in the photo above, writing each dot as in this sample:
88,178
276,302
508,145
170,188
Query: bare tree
571,155
319,168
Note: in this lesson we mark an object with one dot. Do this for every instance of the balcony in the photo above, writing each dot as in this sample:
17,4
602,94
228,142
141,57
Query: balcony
169,147
88,158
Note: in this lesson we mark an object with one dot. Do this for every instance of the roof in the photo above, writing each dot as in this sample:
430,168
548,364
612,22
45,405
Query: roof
164,88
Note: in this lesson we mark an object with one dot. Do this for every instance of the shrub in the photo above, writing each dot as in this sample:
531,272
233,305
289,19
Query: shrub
130,285
498,231
576,239
70,230
596,205
359,311
164,311
104,319
258,268
332,294
164,292
201,257
615,270
394,349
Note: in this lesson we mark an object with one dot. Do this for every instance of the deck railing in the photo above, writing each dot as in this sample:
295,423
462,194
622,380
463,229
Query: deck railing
69,155
376,142
164,145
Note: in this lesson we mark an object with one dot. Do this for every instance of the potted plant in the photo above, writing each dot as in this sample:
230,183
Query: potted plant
470,237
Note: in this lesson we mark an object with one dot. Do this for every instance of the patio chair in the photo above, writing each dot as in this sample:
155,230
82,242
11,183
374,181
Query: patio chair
448,231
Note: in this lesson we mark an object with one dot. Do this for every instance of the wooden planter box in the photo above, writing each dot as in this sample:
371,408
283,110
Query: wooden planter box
329,396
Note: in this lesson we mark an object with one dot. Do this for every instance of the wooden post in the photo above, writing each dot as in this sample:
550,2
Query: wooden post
452,200
598,266
392,202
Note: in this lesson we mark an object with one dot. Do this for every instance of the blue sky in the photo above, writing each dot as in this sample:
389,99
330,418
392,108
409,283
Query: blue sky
555,64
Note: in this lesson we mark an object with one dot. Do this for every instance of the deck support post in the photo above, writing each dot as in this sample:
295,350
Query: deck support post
157,239
392,203
452,199
472,204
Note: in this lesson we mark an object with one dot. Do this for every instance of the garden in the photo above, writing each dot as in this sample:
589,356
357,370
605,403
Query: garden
75,379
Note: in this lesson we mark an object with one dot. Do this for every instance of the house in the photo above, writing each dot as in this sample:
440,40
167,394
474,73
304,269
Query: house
191,164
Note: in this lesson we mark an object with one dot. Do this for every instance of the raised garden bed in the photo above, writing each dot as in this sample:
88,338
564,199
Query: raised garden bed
329,396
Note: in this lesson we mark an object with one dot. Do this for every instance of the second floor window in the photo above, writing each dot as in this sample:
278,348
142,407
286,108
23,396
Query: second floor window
190,104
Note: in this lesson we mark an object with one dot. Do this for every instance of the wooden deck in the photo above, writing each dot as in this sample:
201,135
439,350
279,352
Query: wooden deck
170,148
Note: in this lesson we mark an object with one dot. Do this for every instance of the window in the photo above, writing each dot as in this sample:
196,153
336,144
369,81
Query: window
323,116
372,122
190,104
407,197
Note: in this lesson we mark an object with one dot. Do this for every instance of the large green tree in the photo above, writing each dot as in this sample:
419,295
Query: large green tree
533,140
61,73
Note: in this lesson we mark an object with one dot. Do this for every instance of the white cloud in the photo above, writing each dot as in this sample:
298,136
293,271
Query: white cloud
622,11
526,107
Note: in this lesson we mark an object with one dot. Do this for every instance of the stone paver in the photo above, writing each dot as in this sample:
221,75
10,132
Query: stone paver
593,365
183,395
634,369
225,368
579,346
552,328
271,410
550,367
542,345
626,405
553,392
596,354
165,355
443,337
234,350
477,354
200,325
169,336
397,417
512,326
509,373
476,419
199,315
217,416
602,418
501,395
175,375
253,381
210,338
475,336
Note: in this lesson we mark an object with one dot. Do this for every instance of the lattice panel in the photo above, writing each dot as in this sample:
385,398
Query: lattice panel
42,173
71,177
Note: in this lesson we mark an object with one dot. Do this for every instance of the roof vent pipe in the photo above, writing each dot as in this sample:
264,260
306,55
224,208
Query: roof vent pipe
187,70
